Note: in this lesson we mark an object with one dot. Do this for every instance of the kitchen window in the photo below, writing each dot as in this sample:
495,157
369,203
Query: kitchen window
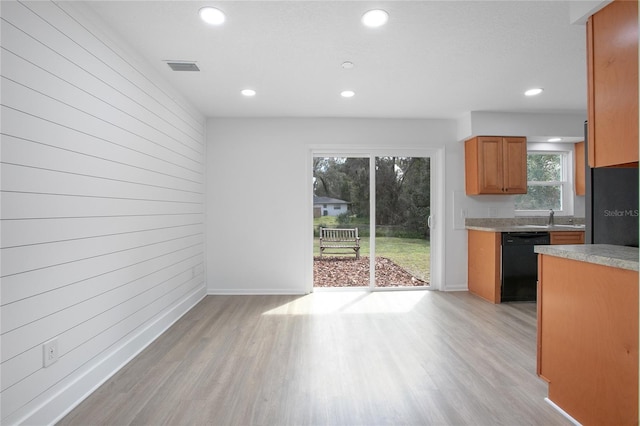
548,186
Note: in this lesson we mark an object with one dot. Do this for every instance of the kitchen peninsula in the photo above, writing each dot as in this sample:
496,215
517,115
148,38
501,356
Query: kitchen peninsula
588,330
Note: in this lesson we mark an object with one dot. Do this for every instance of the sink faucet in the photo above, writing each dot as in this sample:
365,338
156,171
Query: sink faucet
551,217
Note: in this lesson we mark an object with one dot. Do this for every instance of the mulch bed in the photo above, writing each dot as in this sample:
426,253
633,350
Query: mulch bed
349,272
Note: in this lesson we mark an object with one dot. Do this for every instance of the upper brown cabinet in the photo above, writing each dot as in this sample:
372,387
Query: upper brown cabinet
612,77
496,165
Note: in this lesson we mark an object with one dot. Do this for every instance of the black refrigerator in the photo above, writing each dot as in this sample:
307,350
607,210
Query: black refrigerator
611,204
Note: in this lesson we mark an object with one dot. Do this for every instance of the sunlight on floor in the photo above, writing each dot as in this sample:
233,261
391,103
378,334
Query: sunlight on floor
351,302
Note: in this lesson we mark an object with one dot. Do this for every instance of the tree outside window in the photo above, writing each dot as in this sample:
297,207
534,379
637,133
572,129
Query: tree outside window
546,182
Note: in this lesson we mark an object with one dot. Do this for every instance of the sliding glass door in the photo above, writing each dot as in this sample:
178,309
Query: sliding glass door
402,209
389,211
341,201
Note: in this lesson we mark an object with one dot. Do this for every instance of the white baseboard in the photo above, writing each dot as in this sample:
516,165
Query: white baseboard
65,396
283,292
254,292
561,411
455,287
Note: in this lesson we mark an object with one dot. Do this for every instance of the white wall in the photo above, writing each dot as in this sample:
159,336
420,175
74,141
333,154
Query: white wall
102,208
254,162
522,124
579,11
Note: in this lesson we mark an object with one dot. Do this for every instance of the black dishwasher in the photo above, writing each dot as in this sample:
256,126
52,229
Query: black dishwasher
520,265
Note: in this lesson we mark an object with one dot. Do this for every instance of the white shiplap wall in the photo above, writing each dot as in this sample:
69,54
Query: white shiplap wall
102,208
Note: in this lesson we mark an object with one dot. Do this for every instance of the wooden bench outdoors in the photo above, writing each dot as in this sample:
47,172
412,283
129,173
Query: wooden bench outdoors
340,239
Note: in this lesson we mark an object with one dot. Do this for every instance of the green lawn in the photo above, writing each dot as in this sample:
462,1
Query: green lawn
410,253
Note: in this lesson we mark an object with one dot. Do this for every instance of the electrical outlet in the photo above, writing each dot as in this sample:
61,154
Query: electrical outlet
493,212
49,352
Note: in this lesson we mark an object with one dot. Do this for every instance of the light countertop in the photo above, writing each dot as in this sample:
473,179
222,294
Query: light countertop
602,254
525,228
525,224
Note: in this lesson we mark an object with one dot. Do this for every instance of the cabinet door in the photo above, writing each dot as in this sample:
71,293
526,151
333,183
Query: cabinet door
496,165
483,258
514,165
490,164
612,65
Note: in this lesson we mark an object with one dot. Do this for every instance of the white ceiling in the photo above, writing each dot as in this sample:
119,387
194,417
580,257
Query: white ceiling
434,59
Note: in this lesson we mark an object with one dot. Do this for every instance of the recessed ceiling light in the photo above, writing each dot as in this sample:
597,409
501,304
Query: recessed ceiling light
212,16
533,92
347,65
347,94
375,18
554,139
248,92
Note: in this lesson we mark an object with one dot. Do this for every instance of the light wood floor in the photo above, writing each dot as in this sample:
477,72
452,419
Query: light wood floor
334,358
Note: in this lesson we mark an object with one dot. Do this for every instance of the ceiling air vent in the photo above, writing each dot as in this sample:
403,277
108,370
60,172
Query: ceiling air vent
183,66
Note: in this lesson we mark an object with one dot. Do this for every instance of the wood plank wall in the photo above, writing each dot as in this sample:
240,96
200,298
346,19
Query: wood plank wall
102,208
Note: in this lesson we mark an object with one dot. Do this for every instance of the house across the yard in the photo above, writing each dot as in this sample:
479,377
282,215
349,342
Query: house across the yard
327,206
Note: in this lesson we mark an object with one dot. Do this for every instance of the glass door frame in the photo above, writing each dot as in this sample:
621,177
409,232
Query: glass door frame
437,207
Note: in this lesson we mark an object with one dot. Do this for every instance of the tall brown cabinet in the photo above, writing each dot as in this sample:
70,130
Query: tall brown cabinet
612,78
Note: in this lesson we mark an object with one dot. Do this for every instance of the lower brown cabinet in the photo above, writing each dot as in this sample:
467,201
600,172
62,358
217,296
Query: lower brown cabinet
588,339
